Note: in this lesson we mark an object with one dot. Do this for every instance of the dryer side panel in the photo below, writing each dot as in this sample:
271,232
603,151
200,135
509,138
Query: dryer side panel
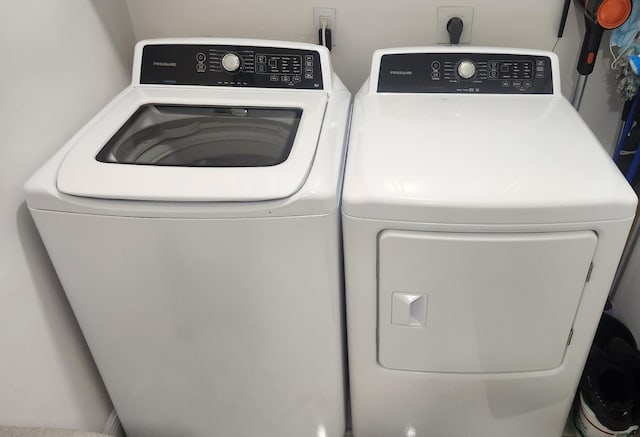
468,302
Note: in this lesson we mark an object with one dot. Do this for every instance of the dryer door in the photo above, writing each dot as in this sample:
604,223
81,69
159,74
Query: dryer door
209,145
479,303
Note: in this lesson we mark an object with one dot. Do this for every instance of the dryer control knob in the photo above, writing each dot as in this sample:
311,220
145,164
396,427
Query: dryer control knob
466,69
231,62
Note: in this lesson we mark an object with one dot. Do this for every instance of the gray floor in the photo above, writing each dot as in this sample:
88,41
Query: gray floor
569,431
13,431
10,431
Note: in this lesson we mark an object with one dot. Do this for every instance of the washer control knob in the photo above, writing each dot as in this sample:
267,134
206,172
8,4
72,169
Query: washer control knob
231,62
466,69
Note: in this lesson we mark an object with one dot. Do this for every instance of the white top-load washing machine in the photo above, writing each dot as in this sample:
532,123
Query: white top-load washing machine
482,224
195,227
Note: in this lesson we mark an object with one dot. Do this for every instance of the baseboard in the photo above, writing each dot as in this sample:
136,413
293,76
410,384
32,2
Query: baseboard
113,426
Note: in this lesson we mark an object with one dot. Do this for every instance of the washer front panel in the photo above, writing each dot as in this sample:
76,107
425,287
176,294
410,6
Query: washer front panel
257,67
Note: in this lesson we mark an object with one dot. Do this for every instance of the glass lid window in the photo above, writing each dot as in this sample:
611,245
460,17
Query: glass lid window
204,136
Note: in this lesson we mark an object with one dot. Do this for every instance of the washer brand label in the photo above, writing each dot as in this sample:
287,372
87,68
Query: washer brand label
164,64
401,72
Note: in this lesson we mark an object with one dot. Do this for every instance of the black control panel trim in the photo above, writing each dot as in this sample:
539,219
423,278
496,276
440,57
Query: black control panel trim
488,73
257,67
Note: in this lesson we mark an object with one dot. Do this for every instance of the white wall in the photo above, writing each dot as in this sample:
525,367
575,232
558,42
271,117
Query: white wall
363,26
627,298
62,60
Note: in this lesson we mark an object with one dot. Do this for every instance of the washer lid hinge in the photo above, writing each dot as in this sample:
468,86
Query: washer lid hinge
589,272
570,337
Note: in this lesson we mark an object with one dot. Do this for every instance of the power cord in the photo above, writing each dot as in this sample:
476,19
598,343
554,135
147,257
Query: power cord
324,33
454,27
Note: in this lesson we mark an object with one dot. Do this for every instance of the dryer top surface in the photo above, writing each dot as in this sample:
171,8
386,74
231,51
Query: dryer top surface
479,159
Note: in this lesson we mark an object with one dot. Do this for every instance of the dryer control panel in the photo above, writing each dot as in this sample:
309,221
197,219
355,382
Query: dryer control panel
231,66
479,73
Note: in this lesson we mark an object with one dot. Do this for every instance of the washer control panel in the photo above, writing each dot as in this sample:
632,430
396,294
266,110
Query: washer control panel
232,66
478,73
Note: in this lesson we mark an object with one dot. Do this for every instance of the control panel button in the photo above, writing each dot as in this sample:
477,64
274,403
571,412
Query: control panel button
231,62
466,69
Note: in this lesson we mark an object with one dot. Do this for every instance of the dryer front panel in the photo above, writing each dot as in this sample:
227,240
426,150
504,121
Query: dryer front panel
479,303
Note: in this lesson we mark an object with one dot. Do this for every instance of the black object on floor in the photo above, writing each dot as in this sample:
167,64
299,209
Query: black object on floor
623,355
609,328
606,389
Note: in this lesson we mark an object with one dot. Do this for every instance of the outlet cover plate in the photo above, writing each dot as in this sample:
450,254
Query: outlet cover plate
445,13
328,12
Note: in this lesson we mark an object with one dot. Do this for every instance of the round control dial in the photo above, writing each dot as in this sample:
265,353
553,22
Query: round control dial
466,69
231,62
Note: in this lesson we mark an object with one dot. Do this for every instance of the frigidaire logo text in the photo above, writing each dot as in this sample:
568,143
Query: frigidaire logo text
401,72
164,64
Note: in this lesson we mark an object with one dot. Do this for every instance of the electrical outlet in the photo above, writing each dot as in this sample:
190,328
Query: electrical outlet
445,13
325,12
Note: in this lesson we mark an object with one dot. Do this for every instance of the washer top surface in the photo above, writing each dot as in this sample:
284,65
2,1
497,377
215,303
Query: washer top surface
447,154
205,120
220,121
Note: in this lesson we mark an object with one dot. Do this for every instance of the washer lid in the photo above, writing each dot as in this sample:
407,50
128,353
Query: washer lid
209,145
478,159
204,136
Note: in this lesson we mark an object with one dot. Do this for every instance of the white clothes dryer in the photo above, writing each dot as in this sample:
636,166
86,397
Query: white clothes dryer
195,227
483,223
